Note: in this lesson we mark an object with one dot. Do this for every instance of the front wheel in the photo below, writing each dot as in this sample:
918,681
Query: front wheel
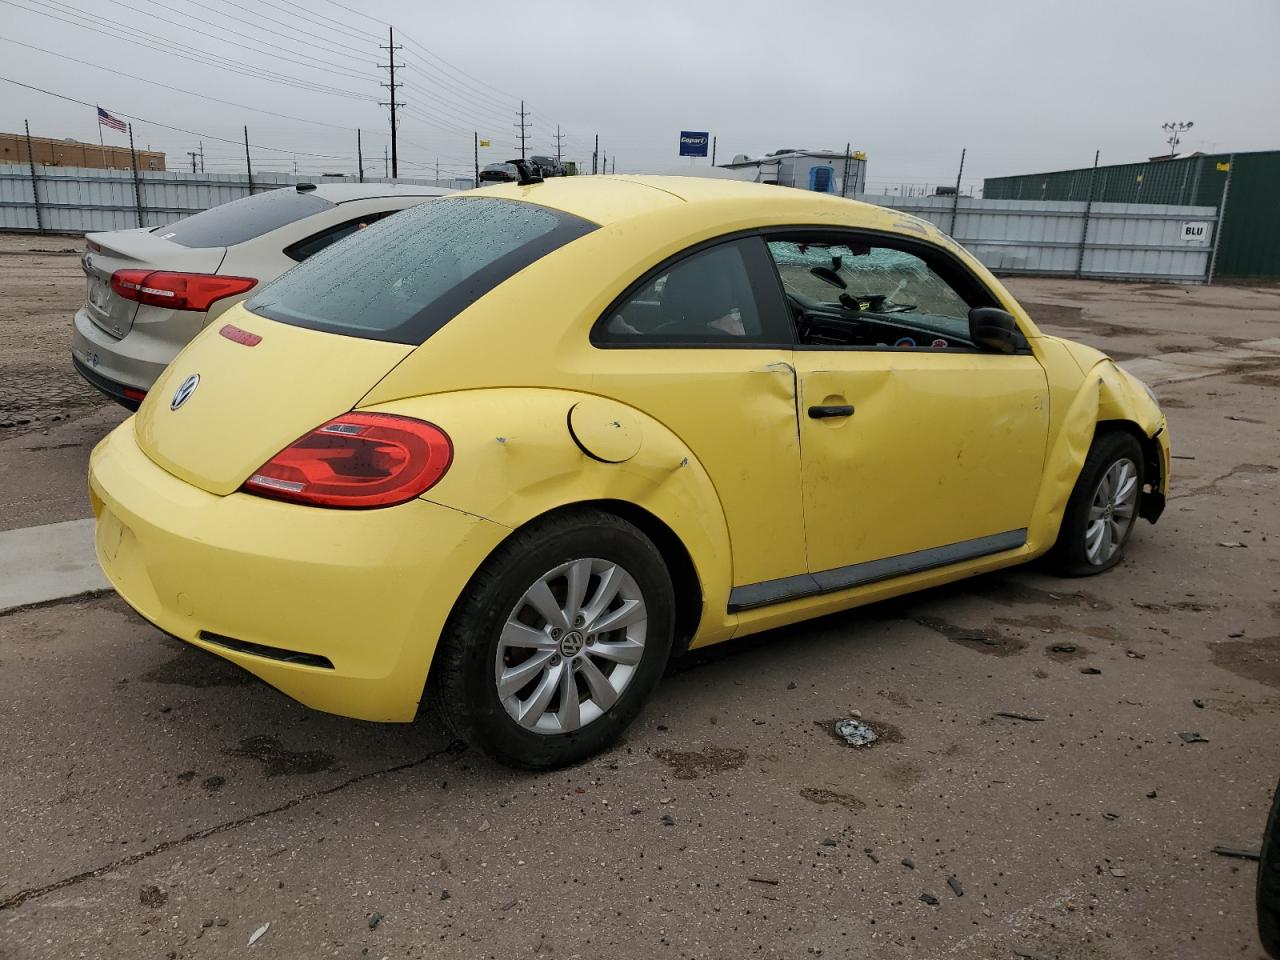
1103,508
557,642
1269,882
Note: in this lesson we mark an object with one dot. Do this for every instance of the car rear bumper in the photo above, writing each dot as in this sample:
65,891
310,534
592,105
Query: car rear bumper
129,397
339,609
140,356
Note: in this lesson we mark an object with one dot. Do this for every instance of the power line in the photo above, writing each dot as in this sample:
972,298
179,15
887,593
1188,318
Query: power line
443,126
460,114
462,87
166,126
315,62
343,28
322,43
162,45
169,86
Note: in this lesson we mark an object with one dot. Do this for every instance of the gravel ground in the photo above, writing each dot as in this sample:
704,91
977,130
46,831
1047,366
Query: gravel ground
1031,776
43,287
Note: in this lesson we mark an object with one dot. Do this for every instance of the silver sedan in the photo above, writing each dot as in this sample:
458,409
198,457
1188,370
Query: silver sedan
152,289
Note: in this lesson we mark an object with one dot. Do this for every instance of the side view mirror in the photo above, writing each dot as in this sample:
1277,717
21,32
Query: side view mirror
993,329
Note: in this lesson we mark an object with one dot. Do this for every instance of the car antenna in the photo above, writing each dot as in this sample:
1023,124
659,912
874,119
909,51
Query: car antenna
527,176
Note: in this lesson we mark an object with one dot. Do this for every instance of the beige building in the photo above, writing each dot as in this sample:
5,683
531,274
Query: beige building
73,153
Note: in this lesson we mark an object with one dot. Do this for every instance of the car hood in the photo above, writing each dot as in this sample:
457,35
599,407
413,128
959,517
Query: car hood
251,401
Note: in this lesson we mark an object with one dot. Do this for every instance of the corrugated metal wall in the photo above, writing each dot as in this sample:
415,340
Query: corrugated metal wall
1125,240
1250,245
84,200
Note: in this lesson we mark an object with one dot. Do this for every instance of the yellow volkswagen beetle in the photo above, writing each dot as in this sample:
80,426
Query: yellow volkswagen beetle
512,448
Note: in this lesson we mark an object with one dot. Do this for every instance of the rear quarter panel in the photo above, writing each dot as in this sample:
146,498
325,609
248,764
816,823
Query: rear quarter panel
515,459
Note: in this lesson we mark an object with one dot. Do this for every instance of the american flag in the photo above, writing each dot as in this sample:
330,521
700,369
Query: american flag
107,120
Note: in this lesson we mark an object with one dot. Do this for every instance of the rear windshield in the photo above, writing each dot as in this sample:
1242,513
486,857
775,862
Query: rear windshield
405,277
243,219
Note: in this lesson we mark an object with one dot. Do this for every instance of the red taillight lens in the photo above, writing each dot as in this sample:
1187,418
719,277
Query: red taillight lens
357,460
177,291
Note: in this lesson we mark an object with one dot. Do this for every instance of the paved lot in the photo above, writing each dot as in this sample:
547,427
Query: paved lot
159,803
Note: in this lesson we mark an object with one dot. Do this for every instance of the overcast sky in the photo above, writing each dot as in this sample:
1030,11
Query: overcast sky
1025,85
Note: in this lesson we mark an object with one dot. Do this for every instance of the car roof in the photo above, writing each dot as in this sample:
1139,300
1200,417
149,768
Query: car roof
346,192
611,199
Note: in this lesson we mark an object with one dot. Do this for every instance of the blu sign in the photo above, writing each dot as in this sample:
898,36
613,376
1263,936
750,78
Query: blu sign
693,143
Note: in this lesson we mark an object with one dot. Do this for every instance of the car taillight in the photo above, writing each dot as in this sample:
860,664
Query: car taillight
177,291
357,460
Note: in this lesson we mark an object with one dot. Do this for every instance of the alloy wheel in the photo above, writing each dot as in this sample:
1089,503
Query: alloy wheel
570,646
1111,511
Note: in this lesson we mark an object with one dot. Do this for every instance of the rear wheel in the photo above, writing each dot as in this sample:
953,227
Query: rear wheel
1103,508
557,642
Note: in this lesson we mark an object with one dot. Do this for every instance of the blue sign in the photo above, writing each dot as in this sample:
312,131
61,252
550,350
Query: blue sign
693,143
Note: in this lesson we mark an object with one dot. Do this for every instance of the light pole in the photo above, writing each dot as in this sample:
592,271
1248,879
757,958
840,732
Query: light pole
1175,131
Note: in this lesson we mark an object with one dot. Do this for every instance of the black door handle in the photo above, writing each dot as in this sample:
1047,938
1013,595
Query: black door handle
830,411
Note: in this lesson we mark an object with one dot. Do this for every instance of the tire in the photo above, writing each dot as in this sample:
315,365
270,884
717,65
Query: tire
505,625
1269,883
1075,554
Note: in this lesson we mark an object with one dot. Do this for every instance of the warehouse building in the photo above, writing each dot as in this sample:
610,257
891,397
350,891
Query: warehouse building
1249,244
73,153
826,171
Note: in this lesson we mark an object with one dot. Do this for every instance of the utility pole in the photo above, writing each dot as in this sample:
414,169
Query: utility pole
35,184
523,127
559,137
390,67
604,162
137,183
437,171
192,154
955,203
202,156
386,169
844,183
615,165
713,151
595,155
248,164
477,154
359,156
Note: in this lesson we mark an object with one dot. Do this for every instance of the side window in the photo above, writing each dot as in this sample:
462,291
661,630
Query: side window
313,244
845,293
722,296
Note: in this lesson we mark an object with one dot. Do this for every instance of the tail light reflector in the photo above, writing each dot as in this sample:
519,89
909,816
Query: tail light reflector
177,291
357,460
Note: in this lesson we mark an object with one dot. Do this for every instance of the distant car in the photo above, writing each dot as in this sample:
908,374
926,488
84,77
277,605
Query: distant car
152,289
511,448
499,173
548,166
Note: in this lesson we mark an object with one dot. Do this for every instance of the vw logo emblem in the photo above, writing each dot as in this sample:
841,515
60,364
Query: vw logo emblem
184,392
571,644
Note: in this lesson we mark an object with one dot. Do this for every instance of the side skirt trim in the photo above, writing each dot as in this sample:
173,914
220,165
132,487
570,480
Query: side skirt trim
767,592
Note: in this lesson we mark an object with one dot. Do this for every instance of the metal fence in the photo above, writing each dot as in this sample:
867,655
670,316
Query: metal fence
1068,238
84,200
1129,241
